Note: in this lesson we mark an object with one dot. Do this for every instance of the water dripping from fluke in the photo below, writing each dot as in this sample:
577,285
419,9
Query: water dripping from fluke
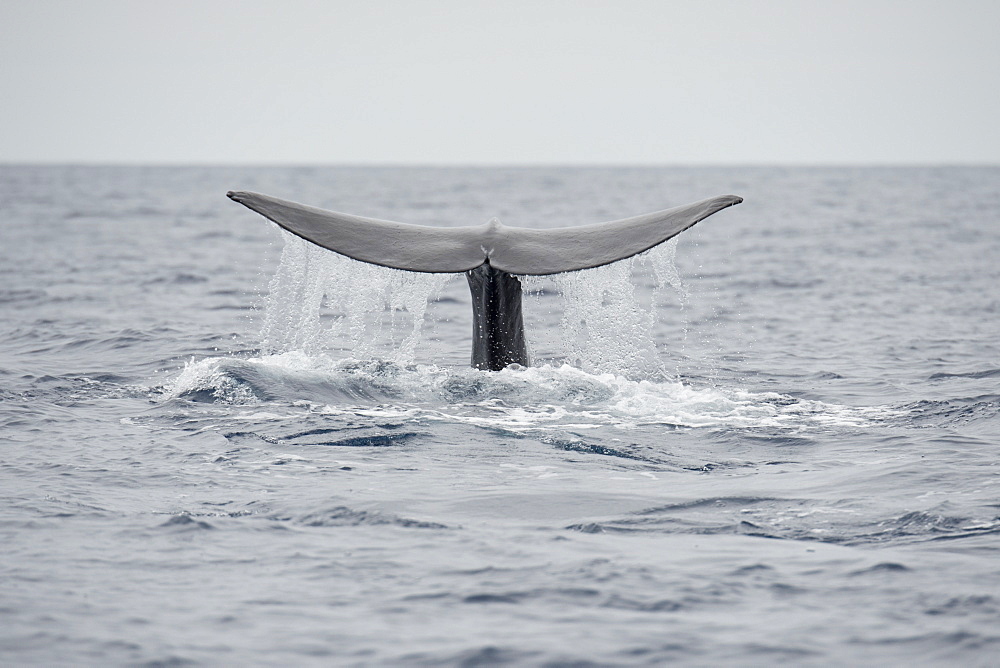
403,266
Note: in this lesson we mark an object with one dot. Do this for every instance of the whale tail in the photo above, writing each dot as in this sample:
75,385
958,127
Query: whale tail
491,255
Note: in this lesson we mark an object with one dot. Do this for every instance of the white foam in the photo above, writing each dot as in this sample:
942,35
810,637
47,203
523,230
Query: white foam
210,377
515,399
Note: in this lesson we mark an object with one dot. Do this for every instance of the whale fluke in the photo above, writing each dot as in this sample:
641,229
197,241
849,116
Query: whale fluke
490,255
515,250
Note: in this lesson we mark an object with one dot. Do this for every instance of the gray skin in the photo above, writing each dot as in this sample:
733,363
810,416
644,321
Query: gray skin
497,325
490,255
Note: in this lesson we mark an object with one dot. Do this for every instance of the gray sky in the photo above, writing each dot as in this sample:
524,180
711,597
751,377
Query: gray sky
510,81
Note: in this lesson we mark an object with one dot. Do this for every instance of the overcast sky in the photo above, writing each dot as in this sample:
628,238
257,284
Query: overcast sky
509,81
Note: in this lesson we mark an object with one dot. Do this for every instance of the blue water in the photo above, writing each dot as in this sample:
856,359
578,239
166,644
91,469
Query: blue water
219,446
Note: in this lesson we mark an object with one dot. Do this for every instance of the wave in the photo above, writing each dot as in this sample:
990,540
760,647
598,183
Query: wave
958,410
984,373
798,519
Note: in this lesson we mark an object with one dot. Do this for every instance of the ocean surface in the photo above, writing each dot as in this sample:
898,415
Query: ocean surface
773,441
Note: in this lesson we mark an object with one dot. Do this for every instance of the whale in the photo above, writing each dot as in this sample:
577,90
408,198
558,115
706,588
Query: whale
491,255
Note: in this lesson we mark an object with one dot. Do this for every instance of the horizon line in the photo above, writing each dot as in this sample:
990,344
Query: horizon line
495,165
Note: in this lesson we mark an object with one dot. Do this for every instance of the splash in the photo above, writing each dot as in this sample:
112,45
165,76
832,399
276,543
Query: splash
605,328
516,399
663,259
320,301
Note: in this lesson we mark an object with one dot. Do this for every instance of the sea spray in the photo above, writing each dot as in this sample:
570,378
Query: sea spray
605,327
663,259
319,301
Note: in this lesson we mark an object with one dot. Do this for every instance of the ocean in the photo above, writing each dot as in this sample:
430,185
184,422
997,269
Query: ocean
773,440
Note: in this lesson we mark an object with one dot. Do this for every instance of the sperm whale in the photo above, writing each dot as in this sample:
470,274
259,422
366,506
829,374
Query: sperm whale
491,255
